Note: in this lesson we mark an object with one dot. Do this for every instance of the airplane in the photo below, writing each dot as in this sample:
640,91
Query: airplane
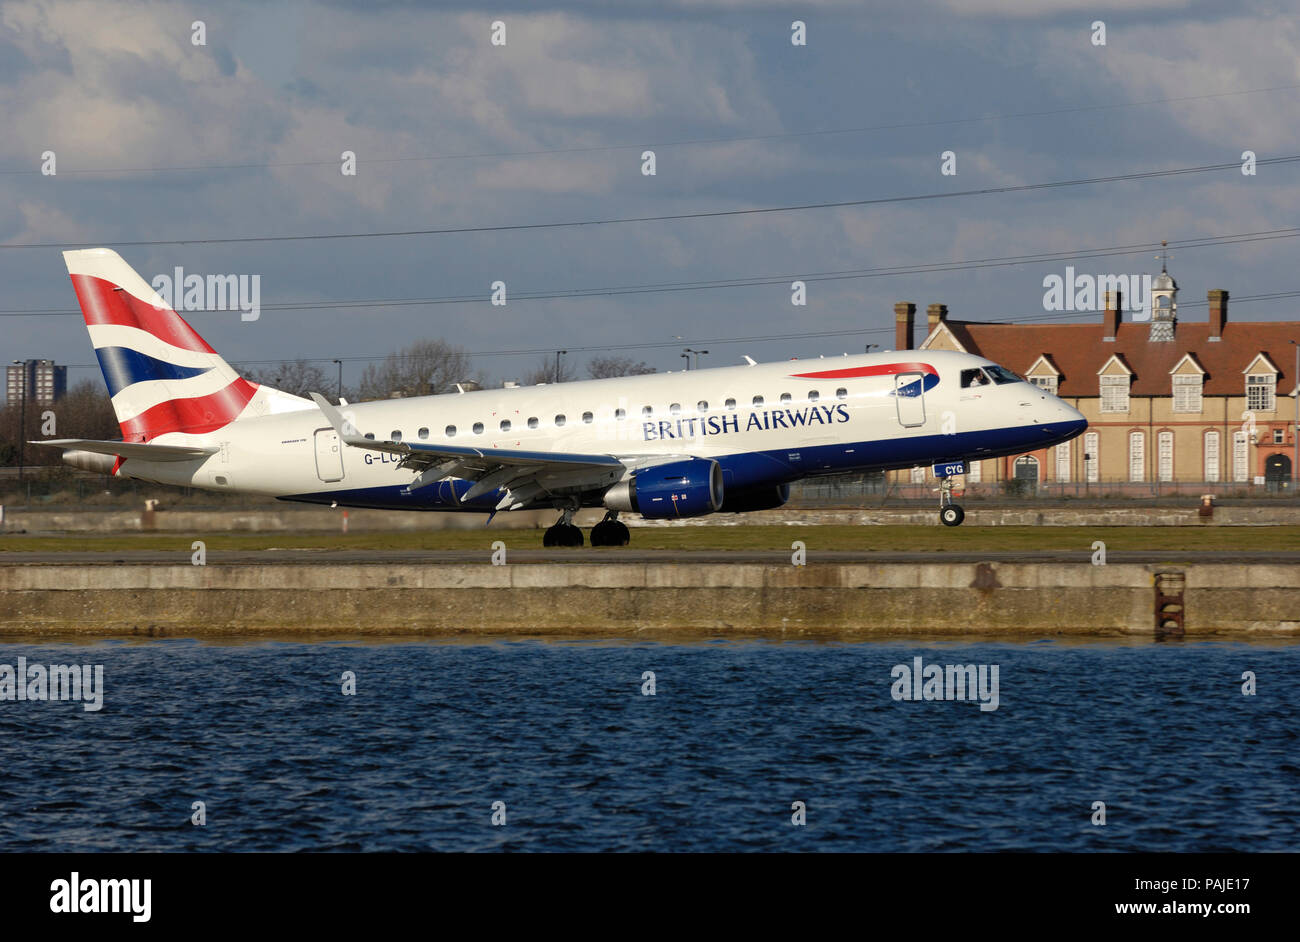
664,446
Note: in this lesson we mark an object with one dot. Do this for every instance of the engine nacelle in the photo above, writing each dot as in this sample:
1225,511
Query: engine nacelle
756,498
688,488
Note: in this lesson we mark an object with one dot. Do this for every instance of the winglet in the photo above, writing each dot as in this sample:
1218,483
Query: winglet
347,431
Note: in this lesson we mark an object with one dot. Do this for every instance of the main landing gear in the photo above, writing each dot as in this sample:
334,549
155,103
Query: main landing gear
564,533
950,514
610,531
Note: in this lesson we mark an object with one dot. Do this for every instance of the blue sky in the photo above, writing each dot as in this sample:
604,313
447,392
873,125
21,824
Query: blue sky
286,87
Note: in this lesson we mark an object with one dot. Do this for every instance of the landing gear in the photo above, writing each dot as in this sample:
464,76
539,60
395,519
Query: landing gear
563,533
950,514
610,531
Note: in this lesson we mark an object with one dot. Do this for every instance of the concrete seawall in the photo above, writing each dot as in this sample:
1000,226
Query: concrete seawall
975,600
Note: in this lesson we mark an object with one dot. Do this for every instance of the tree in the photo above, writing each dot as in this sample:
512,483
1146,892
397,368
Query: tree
605,367
544,372
424,368
297,377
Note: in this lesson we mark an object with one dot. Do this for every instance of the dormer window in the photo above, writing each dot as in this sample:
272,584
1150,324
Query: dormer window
1045,382
1114,393
1187,393
1261,392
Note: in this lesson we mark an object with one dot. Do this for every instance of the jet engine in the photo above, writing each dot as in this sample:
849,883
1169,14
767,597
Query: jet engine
689,488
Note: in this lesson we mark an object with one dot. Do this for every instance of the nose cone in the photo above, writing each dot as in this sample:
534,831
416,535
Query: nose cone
1060,420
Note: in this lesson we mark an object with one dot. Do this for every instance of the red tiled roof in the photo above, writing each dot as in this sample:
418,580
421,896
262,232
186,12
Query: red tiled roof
1078,351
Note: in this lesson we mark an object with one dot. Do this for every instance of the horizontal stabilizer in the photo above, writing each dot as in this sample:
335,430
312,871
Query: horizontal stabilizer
140,450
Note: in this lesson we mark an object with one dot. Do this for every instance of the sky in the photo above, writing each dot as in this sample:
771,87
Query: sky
157,139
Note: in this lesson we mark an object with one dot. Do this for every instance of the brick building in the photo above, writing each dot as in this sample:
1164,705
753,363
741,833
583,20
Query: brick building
1165,401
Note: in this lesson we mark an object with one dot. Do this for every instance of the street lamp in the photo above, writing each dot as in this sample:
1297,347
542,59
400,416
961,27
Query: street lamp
339,363
558,354
697,357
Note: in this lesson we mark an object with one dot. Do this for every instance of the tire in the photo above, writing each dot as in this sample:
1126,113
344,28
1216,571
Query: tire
952,516
571,536
619,534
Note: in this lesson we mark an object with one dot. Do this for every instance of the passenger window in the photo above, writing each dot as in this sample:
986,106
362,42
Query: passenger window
785,397
758,400
370,435
620,414
532,422
731,403
647,411
841,393
559,420
396,436
478,428
505,425
423,433
587,417
813,395
702,406
675,408
451,431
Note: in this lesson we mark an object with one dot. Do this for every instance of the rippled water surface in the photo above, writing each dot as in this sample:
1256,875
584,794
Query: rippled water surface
736,732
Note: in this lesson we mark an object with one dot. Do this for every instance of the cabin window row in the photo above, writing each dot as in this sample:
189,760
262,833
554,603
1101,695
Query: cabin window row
505,425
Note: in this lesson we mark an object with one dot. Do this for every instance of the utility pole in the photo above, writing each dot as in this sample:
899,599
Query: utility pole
340,366
558,354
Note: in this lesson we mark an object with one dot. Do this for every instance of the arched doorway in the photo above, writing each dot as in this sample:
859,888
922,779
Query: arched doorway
1026,469
1277,472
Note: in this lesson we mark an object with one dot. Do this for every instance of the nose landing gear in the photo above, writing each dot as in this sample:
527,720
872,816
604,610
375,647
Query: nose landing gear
950,514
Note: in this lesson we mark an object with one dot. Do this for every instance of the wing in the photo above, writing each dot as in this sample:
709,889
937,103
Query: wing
524,475
142,450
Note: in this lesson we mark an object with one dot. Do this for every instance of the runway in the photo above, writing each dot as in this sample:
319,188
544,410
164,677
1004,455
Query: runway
588,556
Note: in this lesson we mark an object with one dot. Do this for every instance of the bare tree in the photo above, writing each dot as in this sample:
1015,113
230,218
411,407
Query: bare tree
544,372
297,377
424,368
605,367
85,411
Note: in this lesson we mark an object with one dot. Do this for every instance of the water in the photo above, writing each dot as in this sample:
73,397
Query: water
736,732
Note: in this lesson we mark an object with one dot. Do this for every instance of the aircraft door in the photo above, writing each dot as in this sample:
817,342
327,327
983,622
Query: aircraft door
329,455
909,395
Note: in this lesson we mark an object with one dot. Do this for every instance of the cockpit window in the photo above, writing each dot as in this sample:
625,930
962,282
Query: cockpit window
1001,375
973,377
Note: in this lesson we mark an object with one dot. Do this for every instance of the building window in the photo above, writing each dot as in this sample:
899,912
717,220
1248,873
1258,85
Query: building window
1063,461
1114,394
1211,455
1091,463
918,475
1187,394
1240,455
1260,390
1137,456
1277,436
1045,382
973,473
1165,456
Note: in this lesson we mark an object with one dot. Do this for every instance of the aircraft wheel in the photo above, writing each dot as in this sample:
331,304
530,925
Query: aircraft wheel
619,534
550,537
952,515
571,536
600,534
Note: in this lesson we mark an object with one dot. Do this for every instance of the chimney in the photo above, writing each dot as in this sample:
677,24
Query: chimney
1112,316
904,315
1218,313
938,313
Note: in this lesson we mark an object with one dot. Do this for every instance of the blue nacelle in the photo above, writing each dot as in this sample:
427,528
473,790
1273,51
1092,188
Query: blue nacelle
688,488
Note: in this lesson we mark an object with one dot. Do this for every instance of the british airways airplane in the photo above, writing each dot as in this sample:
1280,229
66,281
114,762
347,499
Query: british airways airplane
671,445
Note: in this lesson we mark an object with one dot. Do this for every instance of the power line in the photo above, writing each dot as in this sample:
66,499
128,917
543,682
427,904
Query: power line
712,214
1136,248
594,148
